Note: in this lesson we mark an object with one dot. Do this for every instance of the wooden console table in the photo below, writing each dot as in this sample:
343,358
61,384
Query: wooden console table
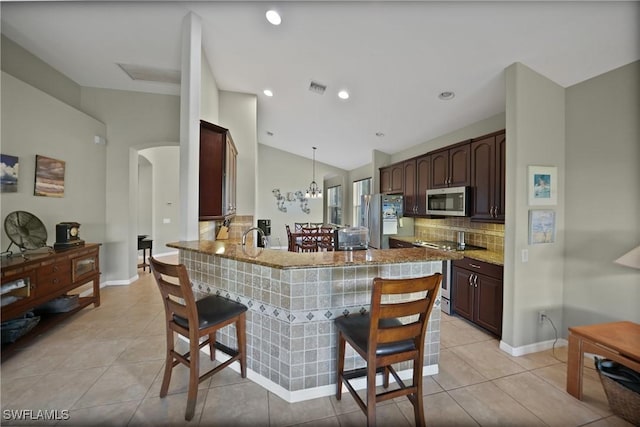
618,341
39,277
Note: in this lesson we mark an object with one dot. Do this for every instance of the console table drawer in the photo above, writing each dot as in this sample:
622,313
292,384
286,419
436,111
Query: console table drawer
56,268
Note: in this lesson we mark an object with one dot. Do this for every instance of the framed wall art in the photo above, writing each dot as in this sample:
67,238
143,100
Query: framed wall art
8,174
543,185
49,177
542,226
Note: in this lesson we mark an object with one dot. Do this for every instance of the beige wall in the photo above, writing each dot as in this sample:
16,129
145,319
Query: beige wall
238,113
34,122
289,173
135,121
164,203
602,198
535,123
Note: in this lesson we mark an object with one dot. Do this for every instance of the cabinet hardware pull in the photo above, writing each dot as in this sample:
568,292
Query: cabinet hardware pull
474,266
475,280
470,278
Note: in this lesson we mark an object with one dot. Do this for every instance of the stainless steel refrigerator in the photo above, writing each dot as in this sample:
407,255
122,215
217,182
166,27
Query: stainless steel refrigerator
382,215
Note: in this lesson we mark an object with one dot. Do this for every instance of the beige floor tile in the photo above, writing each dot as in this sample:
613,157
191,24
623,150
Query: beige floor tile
14,388
282,413
179,382
167,411
489,405
324,422
553,406
348,404
454,372
386,415
121,383
611,421
237,404
440,410
592,390
57,390
488,359
538,360
454,333
144,348
94,354
117,414
35,361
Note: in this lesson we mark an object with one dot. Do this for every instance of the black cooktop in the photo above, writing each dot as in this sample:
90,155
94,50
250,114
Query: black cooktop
446,245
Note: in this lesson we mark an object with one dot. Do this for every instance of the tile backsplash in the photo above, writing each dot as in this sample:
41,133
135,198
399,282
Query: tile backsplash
239,224
486,235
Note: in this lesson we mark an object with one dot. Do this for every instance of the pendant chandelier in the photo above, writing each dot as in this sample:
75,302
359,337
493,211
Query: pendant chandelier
314,190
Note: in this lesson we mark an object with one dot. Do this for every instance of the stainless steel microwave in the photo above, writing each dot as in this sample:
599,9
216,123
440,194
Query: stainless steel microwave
452,201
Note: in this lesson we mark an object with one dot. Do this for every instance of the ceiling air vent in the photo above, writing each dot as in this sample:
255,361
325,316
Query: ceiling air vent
317,88
150,74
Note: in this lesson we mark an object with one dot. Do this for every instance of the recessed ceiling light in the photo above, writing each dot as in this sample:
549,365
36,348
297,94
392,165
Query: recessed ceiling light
269,133
268,92
273,17
446,95
343,94
379,134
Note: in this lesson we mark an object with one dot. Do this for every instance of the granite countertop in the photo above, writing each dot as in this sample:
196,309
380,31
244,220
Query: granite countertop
287,260
485,255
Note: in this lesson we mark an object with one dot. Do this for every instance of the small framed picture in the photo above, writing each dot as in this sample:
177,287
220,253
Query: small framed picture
542,226
8,174
543,185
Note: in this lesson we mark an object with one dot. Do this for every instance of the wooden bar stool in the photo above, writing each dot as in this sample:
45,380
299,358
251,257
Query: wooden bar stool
195,319
382,339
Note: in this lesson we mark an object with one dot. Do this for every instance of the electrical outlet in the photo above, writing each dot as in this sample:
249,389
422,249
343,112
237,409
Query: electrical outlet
542,315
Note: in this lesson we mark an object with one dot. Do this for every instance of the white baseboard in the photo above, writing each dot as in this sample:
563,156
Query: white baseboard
531,348
120,282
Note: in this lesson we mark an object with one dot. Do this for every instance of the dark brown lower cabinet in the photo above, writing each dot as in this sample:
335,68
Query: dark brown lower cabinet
477,293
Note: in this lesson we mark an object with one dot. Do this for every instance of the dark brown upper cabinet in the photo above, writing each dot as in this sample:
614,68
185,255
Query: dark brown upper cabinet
392,179
488,177
217,176
451,167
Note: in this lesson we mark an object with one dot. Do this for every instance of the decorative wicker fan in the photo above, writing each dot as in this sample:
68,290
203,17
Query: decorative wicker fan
25,230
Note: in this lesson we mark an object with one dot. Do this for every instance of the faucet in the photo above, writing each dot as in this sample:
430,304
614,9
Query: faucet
259,230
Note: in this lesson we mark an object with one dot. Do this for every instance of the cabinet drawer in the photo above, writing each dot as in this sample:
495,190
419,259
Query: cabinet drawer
52,282
480,267
54,268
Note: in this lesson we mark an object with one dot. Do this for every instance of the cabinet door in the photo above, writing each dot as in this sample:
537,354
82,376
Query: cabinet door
500,166
439,169
483,178
212,169
409,187
488,303
423,169
460,166
230,178
385,180
397,180
463,293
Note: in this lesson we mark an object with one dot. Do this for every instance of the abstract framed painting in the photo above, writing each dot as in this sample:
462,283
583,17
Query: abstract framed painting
49,177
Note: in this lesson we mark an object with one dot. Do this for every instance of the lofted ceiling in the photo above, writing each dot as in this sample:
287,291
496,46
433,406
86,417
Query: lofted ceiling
393,57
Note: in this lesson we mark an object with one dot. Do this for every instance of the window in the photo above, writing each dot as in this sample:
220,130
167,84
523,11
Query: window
360,188
334,205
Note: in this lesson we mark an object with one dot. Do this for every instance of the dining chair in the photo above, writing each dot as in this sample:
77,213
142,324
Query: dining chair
309,240
299,225
194,320
325,238
291,241
382,339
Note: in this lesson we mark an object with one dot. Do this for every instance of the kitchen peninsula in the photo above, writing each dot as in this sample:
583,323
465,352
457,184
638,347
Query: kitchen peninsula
293,299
